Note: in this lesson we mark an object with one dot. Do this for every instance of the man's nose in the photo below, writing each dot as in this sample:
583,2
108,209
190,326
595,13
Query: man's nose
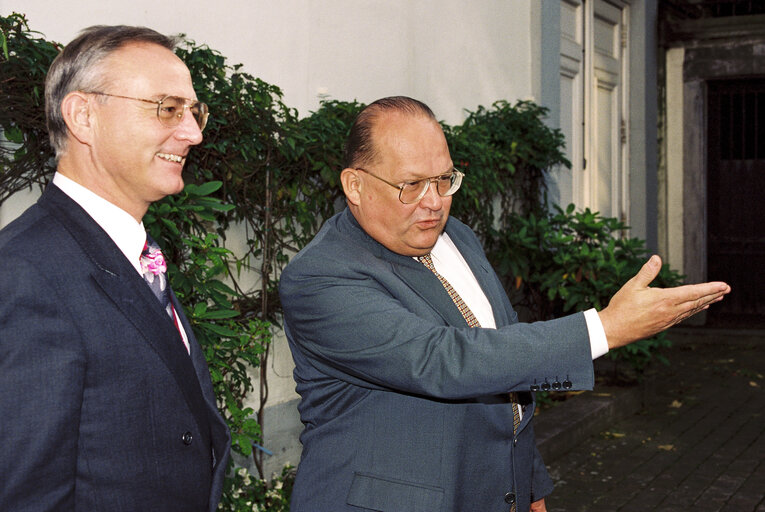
188,128
432,200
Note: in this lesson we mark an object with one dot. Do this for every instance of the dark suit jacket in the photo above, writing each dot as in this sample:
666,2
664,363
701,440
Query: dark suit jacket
101,407
404,405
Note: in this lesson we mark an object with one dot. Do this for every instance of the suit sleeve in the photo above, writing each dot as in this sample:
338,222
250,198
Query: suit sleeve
354,325
42,372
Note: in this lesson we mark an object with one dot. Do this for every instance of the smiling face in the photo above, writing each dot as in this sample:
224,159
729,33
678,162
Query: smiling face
410,147
135,160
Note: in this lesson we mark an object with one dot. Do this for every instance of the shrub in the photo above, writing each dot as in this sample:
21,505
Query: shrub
505,152
564,261
25,154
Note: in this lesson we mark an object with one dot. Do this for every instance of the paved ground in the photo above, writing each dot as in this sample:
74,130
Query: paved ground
699,445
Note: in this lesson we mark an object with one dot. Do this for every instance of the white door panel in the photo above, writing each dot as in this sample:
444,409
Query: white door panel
593,103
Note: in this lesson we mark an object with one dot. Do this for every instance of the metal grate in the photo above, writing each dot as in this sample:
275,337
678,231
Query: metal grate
736,196
742,123
698,9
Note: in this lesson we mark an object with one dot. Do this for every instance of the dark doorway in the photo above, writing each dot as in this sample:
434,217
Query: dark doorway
736,199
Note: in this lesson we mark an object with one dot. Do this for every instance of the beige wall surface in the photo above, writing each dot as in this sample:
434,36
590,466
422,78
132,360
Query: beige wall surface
449,53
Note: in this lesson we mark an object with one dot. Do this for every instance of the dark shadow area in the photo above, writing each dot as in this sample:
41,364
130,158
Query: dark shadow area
697,444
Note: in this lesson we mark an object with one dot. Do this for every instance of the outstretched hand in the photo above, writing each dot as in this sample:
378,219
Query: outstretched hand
637,311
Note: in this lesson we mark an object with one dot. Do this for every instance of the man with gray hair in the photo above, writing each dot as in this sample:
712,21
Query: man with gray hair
107,402
416,378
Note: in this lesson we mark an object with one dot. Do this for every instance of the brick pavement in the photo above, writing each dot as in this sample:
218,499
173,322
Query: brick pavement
698,445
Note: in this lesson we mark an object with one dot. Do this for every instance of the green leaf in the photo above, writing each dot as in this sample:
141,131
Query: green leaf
14,134
5,45
220,314
217,329
205,189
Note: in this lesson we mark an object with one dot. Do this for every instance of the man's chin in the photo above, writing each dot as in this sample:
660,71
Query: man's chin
175,186
425,245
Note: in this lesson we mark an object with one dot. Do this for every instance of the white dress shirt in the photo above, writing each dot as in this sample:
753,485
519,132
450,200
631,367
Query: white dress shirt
128,234
453,267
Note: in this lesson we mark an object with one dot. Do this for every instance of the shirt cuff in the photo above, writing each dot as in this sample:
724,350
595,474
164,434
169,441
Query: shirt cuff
598,342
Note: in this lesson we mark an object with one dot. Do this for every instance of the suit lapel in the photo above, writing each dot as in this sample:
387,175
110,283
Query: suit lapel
219,432
419,279
157,330
128,291
425,284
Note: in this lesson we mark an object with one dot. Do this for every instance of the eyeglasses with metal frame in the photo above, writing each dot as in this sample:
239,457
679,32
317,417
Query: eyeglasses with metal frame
170,109
411,192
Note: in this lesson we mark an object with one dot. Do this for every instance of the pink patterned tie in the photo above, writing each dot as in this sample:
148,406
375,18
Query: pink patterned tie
154,270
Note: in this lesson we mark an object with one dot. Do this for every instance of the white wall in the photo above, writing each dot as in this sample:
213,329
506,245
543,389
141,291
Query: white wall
449,53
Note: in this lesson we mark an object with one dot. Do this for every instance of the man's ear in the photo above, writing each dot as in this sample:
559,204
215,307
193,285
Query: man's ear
77,110
351,185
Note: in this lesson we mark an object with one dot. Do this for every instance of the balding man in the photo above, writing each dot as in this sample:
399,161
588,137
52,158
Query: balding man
414,373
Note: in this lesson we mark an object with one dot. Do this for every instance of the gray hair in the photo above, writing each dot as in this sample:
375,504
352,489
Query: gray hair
77,68
359,148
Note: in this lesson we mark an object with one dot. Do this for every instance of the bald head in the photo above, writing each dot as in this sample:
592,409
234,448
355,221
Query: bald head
360,149
397,141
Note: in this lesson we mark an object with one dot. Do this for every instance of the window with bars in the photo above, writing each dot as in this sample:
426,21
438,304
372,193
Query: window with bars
698,9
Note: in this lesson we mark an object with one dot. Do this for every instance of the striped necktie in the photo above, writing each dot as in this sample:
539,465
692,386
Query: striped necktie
471,320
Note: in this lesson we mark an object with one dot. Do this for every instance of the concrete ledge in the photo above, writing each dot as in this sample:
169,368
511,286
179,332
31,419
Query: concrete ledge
562,427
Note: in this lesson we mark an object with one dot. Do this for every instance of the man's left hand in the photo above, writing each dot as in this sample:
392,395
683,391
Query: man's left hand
638,311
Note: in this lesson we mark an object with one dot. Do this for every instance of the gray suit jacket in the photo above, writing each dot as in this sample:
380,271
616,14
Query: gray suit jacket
405,406
101,406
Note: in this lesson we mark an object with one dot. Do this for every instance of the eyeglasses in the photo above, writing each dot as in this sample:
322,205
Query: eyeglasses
170,109
412,191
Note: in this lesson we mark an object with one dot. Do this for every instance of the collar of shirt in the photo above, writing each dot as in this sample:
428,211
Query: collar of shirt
121,227
450,263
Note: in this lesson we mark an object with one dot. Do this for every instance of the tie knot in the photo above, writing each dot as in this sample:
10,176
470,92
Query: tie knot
428,262
152,259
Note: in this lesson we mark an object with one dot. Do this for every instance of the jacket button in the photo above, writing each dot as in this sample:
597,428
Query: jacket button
187,438
510,498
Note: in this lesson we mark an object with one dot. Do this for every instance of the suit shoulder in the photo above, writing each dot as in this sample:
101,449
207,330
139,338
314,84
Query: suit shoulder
337,251
329,244
30,230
